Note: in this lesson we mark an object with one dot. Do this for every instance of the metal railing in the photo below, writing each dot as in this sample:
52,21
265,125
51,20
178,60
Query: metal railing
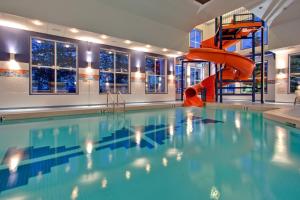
120,97
113,102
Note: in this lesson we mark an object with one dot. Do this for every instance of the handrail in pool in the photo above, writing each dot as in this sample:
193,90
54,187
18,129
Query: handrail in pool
122,98
109,95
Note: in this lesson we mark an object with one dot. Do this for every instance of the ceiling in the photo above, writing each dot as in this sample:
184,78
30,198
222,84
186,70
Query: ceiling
162,23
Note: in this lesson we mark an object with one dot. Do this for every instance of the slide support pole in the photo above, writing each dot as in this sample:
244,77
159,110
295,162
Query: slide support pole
262,71
253,75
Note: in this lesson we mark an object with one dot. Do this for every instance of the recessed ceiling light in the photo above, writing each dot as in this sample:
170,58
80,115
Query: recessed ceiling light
127,42
67,46
104,37
164,49
37,22
148,46
142,49
12,24
172,55
74,30
90,39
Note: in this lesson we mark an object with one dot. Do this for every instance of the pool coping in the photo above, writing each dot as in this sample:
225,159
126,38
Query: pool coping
275,112
20,114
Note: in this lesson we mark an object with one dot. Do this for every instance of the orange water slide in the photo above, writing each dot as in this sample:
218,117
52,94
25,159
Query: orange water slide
237,67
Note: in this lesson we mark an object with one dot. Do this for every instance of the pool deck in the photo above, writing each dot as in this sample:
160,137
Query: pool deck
284,113
280,112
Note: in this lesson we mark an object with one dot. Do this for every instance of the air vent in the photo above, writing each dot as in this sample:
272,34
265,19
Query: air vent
202,1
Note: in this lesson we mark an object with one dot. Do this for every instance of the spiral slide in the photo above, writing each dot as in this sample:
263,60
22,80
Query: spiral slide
237,67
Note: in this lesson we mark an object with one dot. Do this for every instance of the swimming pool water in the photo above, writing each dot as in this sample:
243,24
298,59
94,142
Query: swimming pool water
182,153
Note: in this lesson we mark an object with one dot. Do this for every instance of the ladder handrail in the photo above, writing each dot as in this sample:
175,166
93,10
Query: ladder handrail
122,98
109,95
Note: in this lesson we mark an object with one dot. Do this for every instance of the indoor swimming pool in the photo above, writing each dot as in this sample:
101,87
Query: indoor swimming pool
180,153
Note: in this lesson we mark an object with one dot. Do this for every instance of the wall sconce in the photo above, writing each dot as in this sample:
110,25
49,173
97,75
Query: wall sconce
89,55
138,74
13,63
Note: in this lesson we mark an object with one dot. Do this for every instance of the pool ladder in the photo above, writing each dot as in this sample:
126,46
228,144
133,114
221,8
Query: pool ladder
110,101
120,97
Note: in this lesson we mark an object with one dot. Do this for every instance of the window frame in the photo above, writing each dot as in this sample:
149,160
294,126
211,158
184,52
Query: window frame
165,75
194,41
55,67
114,70
289,72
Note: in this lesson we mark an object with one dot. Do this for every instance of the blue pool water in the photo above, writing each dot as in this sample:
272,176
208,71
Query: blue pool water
182,153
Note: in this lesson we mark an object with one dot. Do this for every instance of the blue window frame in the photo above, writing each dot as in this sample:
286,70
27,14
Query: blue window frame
195,38
114,72
53,67
156,81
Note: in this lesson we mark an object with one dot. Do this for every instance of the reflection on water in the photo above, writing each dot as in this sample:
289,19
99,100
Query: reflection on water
179,153
281,151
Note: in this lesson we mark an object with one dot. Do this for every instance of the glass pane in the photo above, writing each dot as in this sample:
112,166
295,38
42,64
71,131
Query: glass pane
106,61
295,64
66,55
150,65
258,77
160,84
198,36
160,66
42,80
294,72
122,64
294,83
123,89
192,35
151,84
232,48
106,82
42,52
246,44
122,79
66,81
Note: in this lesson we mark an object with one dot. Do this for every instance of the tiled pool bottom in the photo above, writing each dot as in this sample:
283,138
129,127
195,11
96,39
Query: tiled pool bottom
182,153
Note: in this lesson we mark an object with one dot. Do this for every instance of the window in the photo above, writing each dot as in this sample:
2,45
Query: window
53,67
258,77
294,72
178,78
195,38
247,43
114,73
232,48
196,74
155,70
